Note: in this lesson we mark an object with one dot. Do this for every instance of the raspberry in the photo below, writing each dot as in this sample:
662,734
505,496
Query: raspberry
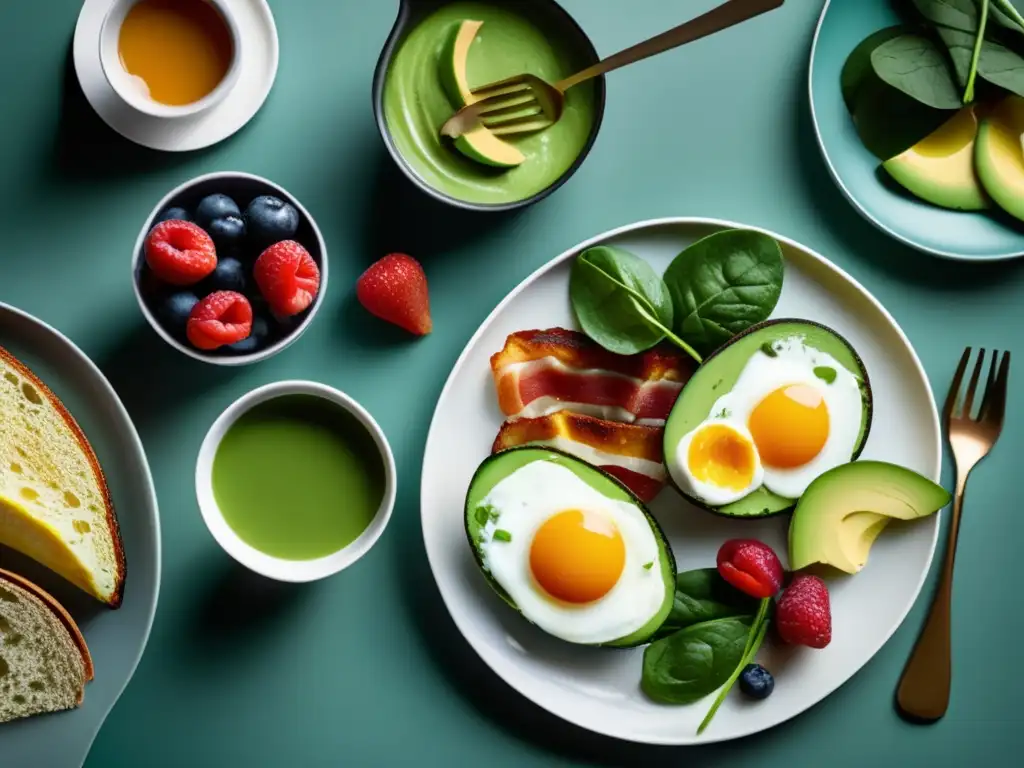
803,615
179,252
224,317
395,289
751,566
287,277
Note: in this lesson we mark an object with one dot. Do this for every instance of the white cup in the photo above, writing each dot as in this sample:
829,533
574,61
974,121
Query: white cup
127,87
252,558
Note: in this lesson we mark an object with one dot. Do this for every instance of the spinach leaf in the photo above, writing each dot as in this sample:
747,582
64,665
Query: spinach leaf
723,284
620,302
857,69
691,663
703,595
915,65
1007,16
754,640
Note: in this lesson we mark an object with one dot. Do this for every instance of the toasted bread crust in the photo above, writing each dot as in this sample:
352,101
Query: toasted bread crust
90,454
62,614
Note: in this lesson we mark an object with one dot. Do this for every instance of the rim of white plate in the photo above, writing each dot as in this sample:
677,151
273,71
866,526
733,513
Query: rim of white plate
695,221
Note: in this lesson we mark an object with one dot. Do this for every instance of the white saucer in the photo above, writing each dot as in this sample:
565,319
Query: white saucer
259,53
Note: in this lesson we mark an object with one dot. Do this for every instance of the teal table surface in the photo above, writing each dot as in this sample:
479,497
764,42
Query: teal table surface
366,668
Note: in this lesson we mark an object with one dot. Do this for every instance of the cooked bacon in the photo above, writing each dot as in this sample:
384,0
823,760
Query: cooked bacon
541,372
630,452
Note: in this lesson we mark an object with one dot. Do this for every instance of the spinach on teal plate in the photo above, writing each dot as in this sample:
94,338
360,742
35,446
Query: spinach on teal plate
723,284
703,595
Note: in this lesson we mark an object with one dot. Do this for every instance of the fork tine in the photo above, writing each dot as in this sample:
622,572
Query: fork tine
994,405
954,388
990,383
500,88
504,104
497,116
524,125
972,388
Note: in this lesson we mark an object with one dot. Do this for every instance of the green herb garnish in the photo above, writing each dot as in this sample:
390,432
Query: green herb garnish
648,565
500,534
769,350
826,374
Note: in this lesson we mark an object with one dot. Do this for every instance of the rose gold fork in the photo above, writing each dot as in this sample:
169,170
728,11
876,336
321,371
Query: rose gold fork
923,692
525,103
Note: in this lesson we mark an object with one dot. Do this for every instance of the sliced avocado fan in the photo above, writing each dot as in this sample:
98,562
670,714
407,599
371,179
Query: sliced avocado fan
939,169
479,144
999,155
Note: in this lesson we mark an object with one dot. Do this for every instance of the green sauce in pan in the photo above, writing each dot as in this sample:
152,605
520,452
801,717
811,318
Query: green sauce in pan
416,105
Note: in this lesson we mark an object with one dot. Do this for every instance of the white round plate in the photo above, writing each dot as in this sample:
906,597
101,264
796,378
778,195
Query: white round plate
258,50
599,688
116,638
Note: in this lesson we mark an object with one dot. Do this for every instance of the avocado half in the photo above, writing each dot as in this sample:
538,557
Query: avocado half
999,155
718,374
498,466
479,144
843,510
940,168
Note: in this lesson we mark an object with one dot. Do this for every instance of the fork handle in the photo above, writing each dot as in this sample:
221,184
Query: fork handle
726,15
923,691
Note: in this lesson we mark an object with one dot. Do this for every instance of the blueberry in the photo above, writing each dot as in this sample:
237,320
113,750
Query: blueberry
756,681
229,275
174,311
227,232
271,220
173,213
256,338
215,207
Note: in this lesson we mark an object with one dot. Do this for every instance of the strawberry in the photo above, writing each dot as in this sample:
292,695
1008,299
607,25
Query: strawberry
395,289
223,317
287,277
179,252
803,615
751,566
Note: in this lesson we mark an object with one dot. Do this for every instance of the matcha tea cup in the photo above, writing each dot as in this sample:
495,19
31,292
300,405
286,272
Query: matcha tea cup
269,493
425,69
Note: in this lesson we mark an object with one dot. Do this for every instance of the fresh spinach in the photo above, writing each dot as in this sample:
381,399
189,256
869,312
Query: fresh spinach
1007,16
723,284
753,644
691,663
857,69
979,40
917,66
703,595
621,302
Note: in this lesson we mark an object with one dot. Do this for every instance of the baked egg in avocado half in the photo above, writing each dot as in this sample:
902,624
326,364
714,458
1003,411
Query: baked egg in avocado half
764,415
569,547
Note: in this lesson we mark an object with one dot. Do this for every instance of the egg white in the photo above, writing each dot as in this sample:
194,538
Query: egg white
528,497
794,363
707,492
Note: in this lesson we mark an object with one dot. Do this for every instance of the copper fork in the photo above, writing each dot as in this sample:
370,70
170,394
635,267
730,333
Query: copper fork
923,692
524,103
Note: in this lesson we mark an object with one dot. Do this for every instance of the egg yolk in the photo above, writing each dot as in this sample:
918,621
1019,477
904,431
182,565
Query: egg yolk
721,456
577,556
790,426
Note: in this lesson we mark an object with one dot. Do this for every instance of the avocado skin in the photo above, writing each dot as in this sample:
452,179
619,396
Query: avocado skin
667,559
867,406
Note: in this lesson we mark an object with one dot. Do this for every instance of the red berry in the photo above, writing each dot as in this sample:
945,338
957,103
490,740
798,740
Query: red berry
395,289
180,252
223,317
803,615
287,277
751,566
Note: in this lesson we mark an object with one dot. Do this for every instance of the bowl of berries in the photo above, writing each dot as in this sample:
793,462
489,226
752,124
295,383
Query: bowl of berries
229,268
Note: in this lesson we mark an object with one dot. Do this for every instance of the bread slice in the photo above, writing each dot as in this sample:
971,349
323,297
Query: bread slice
54,502
44,662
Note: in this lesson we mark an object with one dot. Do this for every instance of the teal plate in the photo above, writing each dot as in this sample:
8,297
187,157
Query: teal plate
950,234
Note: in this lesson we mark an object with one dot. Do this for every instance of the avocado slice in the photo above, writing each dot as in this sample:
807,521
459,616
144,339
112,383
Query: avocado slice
479,144
842,512
498,466
939,169
718,374
999,155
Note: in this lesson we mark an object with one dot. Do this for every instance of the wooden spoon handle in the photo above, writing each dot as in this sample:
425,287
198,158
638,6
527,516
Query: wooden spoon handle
726,15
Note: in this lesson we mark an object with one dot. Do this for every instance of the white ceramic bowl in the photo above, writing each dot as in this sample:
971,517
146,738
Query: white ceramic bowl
241,187
128,88
260,562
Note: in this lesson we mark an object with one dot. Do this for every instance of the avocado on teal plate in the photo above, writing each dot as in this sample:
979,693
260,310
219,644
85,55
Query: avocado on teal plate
930,154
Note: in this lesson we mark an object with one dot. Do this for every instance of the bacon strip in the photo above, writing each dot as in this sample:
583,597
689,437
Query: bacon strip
630,452
541,372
